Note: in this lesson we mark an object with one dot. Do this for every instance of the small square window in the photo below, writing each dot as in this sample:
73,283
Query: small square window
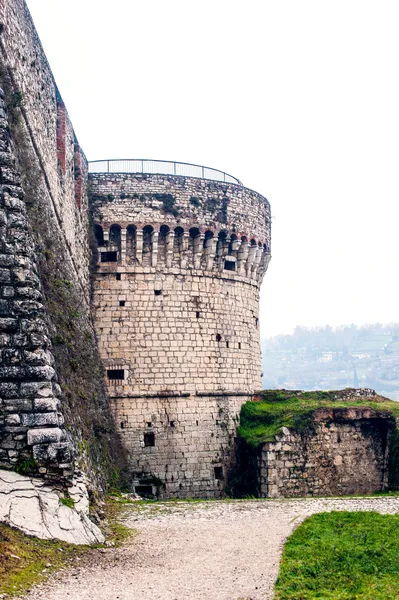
109,256
229,265
118,277
158,292
122,302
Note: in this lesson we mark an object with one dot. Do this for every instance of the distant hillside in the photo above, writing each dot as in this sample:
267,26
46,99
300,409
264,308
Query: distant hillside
325,358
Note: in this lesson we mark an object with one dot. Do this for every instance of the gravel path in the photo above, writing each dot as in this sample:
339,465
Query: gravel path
197,551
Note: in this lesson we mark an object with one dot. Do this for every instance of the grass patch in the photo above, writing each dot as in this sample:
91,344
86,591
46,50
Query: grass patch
25,560
117,532
341,555
69,502
262,419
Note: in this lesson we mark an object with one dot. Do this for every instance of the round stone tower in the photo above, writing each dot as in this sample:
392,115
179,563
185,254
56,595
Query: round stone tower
181,257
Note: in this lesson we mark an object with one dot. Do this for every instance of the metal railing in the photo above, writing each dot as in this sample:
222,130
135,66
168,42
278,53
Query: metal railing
161,167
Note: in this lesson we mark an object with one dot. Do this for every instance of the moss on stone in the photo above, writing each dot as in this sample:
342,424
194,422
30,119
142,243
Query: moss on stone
262,419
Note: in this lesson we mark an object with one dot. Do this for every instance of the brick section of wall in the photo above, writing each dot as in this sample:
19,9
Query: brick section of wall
347,453
31,424
78,176
177,317
61,134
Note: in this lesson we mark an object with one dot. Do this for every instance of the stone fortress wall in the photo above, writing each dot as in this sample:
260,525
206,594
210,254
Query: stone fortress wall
176,295
50,135
45,259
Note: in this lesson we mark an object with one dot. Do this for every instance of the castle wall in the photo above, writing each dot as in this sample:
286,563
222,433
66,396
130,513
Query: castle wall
49,132
177,319
143,199
31,423
341,457
47,237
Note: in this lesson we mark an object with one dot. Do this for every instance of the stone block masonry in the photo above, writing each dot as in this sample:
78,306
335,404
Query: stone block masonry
31,424
180,263
338,458
55,234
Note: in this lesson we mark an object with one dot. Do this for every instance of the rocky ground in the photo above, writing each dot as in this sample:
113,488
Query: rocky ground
223,550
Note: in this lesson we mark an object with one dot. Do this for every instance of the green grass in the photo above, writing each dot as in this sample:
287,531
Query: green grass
341,556
262,419
25,560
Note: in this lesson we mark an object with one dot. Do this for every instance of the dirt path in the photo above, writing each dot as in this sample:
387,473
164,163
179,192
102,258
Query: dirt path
198,551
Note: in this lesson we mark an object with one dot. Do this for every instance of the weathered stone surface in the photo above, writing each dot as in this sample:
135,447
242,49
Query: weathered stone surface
36,509
177,320
345,452
45,436
29,412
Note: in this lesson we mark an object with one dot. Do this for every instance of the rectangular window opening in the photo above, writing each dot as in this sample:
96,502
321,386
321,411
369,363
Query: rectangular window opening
218,472
229,265
122,302
109,256
158,292
118,277
114,374
197,314
149,439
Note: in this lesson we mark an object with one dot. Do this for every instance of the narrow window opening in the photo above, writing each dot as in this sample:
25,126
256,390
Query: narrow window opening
227,344
122,425
158,292
196,423
197,314
109,256
149,424
239,345
149,439
118,277
113,374
122,302
172,423
256,322
218,337
218,471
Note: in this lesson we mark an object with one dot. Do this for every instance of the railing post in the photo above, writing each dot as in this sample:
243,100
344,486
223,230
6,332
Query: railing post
107,166
174,168
203,172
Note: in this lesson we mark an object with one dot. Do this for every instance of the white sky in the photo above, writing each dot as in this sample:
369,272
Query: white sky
298,99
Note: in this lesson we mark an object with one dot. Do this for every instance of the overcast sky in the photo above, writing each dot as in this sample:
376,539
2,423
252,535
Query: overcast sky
298,99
